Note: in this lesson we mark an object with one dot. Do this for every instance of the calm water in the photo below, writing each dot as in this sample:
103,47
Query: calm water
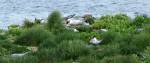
15,11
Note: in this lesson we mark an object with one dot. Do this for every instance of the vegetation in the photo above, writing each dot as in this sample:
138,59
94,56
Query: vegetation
126,41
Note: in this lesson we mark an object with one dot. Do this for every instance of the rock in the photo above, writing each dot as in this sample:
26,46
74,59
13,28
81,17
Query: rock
70,16
88,18
19,54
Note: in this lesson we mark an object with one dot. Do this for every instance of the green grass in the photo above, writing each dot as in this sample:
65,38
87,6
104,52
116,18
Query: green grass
56,44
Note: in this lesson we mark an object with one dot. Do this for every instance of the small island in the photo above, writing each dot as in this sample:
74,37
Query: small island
72,39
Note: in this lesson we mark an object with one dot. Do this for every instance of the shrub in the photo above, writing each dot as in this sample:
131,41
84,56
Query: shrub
89,59
67,35
3,35
66,50
117,23
108,37
3,51
48,43
33,36
4,59
14,30
49,55
141,41
12,48
106,50
25,59
72,49
147,28
18,49
37,21
146,55
66,61
86,36
121,59
124,40
127,49
55,22
122,17
6,46
139,21
84,28
27,23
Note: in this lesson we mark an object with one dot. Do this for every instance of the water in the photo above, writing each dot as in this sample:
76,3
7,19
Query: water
15,11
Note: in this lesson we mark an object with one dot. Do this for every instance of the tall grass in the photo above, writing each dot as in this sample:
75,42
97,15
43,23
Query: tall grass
55,22
33,36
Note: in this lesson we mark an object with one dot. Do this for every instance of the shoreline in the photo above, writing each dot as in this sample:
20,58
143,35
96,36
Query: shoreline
4,25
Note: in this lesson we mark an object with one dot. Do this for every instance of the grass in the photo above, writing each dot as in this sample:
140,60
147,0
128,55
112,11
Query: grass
56,44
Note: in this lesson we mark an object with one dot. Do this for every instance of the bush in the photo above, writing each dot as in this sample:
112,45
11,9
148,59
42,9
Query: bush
6,46
124,40
25,59
117,23
33,36
14,30
12,48
37,21
102,22
106,50
55,22
49,55
4,59
141,41
84,28
146,55
3,35
48,43
3,51
89,59
18,49
109,37
67,35
66,61
28,24
72,49
147,28
121,59
139,21
66,50
86,36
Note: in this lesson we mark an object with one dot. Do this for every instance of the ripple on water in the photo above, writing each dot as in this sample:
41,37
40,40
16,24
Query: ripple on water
15,11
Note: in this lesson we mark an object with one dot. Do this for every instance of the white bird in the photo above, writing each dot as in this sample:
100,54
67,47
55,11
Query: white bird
75,30
103,30
95,41
139,30
74,22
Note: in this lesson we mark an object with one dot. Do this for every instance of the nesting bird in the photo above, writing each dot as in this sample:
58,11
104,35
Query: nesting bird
73,22
103,30
75,30
95,41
